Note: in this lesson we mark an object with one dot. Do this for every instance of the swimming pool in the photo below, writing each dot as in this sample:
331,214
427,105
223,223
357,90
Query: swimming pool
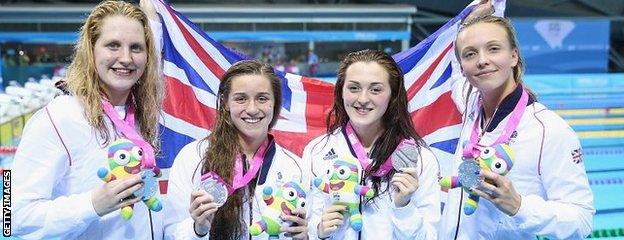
593,104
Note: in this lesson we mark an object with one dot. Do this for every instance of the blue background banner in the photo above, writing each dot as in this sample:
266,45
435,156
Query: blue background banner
564,46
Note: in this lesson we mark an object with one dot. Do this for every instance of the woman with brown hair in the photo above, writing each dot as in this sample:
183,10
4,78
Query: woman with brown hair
115,93
242,155
370,121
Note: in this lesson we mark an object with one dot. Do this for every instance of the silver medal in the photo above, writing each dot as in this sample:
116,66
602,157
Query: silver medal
150,184
217,189
405,156
469,174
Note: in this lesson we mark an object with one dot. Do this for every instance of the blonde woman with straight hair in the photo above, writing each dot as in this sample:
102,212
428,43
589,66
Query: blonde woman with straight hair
115,95
535,185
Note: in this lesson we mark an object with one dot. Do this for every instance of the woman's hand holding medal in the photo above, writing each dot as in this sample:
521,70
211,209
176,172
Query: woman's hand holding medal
116,194
211,194
500,191
202,211
405,180
405,183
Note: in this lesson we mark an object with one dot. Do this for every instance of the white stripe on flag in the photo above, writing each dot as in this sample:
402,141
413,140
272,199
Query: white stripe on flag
436,48
426,96
182,127
203,96
443,133
295,120
180,44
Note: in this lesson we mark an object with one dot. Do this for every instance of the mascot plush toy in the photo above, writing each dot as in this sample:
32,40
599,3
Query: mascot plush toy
284,200
341,182
124,160
498,159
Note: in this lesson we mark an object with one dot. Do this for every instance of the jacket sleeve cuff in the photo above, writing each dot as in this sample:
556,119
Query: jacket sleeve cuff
524,214
313,227
85,213
189,224
407,215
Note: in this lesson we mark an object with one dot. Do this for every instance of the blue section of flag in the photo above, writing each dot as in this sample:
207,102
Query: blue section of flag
172,55
408,59
445,76
171,142
448,146
286,91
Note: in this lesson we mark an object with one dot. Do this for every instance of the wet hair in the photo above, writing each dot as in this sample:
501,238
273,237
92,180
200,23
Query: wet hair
84,82
396,120
223,146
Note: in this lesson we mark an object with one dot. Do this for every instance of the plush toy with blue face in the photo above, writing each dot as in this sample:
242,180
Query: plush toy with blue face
341,183
284,200
498,159
124,160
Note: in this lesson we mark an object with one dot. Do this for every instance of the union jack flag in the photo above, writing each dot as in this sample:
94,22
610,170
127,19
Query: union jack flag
193,64
577,155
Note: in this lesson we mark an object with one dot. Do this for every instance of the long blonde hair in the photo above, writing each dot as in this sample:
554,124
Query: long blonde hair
84,82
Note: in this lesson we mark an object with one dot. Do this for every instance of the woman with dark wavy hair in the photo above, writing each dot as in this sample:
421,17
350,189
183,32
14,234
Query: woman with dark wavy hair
242,153
370,121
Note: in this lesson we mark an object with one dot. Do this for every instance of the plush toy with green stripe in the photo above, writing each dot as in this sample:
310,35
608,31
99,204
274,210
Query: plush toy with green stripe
124,160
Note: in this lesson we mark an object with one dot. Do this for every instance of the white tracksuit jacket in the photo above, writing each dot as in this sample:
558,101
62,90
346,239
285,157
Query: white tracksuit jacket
52,191
548,173
185,176
381,219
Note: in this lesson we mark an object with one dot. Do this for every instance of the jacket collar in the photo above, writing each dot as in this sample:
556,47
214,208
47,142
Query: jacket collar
506,107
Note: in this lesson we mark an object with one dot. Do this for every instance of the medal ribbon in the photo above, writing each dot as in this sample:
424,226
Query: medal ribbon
128,129
240,179
471,150
363,158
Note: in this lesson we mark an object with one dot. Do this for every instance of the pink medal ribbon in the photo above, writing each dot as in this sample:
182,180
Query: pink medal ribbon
471,150
240,180
128,129
363,158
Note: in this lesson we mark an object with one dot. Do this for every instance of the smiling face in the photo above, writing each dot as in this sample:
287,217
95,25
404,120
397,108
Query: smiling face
487,57
120,56
124,158
366,93
343,174
251,103
293,197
